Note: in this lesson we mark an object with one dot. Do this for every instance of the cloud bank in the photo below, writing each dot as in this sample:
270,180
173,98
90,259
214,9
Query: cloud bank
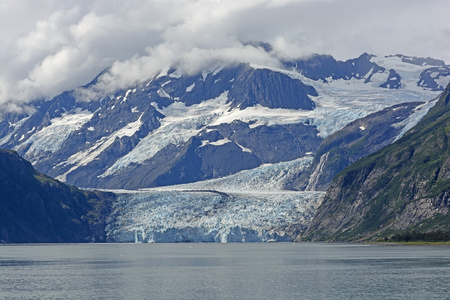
51,46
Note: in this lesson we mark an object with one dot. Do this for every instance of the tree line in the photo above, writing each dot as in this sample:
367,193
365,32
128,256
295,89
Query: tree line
414,236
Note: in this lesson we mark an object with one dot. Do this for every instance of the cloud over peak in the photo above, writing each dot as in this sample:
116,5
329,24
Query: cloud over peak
53,46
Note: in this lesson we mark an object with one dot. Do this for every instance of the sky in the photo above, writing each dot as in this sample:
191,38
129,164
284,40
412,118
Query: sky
51,46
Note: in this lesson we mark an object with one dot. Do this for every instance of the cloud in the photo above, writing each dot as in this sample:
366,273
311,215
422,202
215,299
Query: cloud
52,46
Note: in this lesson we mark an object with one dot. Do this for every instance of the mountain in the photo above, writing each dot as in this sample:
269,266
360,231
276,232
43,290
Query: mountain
176,128
214,152
36,208
402,187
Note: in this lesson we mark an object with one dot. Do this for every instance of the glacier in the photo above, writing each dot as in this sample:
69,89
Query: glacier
156,216
265,178
50,138
249,206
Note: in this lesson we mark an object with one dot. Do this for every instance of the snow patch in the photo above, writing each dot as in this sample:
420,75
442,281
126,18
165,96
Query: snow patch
442,81
126,95
220,142
163,94
204,75
418,114
244,149
434,74
190,88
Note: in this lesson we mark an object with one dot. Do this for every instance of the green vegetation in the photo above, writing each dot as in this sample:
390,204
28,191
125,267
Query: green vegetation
405,185
44,179
435,236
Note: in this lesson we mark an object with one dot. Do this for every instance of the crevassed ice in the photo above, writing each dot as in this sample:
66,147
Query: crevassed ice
265,178
249,206
202,216
51,138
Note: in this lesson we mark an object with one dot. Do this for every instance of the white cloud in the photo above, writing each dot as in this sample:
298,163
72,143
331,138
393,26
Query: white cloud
51,46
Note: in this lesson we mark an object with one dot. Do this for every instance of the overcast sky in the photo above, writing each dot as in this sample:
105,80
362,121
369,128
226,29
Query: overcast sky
50,46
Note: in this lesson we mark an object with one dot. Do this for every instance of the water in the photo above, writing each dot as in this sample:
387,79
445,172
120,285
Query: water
224,271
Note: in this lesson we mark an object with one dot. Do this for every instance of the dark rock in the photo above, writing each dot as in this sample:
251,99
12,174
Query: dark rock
428,77
421,61
325,66
393,81
36,208
270,89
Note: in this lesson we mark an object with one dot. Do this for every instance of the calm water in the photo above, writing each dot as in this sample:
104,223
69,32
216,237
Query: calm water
224,271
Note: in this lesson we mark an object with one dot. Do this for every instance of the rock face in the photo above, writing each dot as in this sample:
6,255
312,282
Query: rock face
326,68
404,186
270,89
35,208
356,140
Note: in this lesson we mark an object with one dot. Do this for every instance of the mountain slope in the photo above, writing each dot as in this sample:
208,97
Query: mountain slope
404,186
36,208
356,140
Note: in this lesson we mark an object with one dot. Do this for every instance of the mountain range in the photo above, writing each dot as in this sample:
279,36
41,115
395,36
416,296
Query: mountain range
175,128
239,152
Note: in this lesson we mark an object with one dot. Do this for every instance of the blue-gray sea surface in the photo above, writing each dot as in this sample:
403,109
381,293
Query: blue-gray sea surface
224,271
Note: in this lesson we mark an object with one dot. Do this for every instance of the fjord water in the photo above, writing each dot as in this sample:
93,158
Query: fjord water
224,271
